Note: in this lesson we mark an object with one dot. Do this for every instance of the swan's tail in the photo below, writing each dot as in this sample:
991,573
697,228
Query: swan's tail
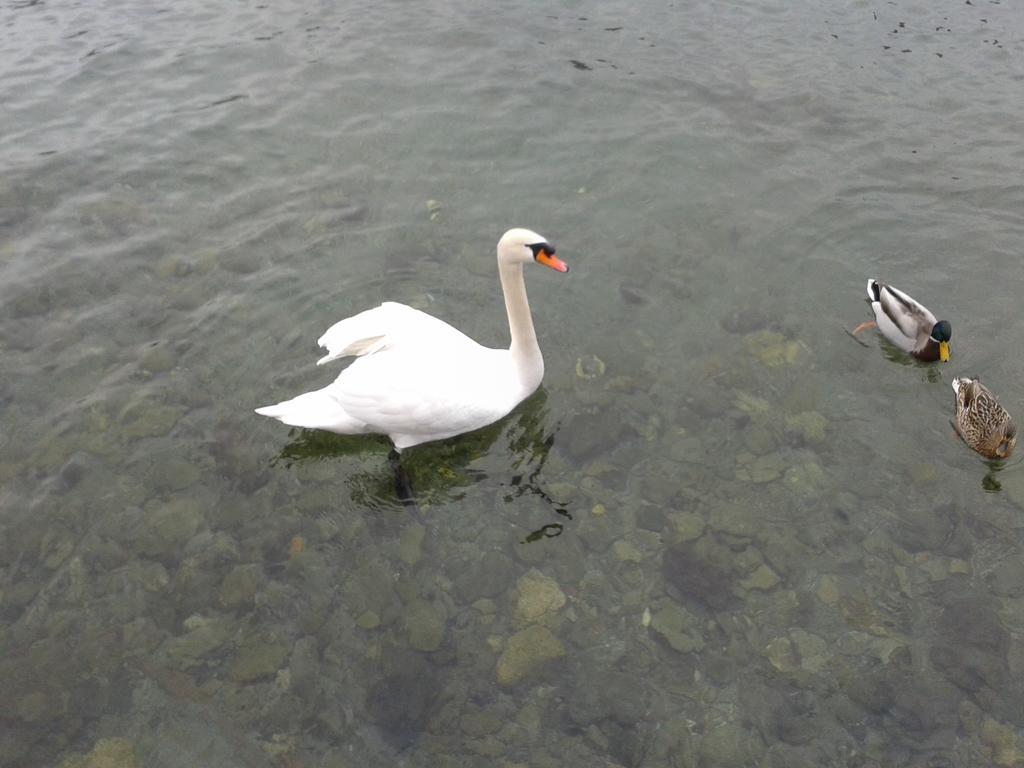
315,410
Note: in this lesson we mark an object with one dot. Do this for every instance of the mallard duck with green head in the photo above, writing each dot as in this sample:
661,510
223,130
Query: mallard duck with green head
981,421
907,323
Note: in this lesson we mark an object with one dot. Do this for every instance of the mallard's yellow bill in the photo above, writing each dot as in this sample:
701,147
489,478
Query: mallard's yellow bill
944,351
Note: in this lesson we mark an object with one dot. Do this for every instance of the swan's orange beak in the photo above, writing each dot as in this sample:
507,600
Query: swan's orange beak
550,260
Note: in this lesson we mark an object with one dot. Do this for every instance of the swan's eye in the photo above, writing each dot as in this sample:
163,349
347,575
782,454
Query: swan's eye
538,247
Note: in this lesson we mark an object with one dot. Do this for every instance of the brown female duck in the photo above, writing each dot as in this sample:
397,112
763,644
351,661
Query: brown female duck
981,421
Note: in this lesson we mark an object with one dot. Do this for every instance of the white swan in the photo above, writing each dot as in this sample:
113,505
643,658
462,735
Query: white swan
418,379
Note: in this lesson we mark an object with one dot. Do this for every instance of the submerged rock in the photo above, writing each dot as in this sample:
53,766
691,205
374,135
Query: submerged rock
173,473
1013,486
679,628
759,440
828,589
56,546
811,649
806,480
650,518
487,575
609,712
172,265
425,625
204,637
743,320
683,527
108,753
731,745
701,572
736,518
1007,578
626,551
759,469
368,620
973,643
1002,741
764,578
589,367
410,543
158,359
591,434
259,656
240,585
810,425
527,651
599,529
400,704
480,723
772,349
782,655
539,595
166,527
149,419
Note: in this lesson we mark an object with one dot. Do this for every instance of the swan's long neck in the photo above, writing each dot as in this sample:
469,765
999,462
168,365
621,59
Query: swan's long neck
524,348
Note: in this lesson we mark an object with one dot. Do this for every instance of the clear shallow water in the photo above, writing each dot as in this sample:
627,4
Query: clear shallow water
771,550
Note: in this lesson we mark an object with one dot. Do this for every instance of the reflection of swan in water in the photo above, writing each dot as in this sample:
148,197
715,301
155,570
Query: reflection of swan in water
441,471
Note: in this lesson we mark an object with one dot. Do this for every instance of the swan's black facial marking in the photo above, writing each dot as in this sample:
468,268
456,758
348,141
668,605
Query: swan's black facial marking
548,248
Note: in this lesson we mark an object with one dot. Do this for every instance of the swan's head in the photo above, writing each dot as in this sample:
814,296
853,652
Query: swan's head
521,246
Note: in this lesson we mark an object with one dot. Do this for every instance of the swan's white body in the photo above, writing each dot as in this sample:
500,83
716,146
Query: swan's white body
418,379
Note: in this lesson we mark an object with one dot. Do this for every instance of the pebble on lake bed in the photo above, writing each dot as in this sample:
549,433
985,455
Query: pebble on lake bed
538,597
259,656
107,753
764,578
424,625
526,651
203,637
759,469
589,367
810,425
1003,742
679,628
772,349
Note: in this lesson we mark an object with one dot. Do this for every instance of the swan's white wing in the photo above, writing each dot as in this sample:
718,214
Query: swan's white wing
416,379
315,410
428,393
391,325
